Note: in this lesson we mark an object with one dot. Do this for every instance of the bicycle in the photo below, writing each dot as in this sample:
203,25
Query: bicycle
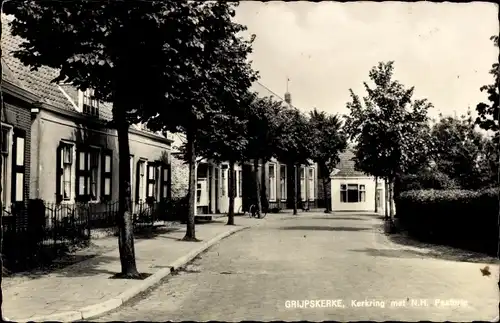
255,214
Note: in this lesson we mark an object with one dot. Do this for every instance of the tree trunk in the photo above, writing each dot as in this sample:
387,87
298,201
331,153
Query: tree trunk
124,220
294,188
232,191
376,194
190,229
386,202
326,182
391,199
258,203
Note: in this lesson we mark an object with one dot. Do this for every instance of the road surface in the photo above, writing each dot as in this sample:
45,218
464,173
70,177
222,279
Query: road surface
316,267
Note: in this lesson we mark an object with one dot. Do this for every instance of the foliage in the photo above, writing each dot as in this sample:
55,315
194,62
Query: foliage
462,218
327,141
489,113
458,150
265,126
426,179
387,126
294,142
213,75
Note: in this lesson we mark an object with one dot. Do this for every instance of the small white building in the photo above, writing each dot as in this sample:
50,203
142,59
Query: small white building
352,190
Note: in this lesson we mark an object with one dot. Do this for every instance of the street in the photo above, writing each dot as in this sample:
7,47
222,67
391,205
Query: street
316,267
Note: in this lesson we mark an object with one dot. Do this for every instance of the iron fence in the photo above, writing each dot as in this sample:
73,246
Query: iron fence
38,232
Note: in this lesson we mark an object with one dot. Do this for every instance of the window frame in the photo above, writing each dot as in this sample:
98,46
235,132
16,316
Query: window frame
344,193
141,180
312,182
272,181
63,166
90,103
18,169
86,174
7,165
240,183
283,190
302,176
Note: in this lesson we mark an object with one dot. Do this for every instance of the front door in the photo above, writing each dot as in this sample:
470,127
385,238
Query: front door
202,192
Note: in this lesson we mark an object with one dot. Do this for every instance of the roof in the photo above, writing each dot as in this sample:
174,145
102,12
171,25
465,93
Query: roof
39,82
346,165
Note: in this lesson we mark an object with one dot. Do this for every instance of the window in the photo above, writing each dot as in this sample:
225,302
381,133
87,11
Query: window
240,183
151,180
302,183
89,104
165,181
283,182
106,175
18,166
4,167
223,188
64,167
198,192
352,193
131,172
311,183
272,182
87,174
140,181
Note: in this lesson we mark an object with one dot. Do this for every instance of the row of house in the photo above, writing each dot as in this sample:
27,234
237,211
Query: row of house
349,189
59,148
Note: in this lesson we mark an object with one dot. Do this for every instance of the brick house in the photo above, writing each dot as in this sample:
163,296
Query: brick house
71,154
16,117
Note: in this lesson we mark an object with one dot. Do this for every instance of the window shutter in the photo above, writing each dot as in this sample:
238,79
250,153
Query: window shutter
137,181
59,173
106,175
82,174
147,179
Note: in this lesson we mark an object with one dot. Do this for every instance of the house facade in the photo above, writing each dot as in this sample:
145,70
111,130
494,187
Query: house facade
352,190
60,146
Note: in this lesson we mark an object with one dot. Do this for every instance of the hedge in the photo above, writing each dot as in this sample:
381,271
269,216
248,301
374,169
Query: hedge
462,218
427,180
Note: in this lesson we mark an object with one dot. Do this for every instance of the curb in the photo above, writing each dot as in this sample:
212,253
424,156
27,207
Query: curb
115,302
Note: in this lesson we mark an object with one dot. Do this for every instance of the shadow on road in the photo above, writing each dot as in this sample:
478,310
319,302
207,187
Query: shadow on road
338,218
323,228
449,254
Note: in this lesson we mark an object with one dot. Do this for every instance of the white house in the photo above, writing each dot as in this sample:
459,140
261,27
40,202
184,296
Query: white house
352,190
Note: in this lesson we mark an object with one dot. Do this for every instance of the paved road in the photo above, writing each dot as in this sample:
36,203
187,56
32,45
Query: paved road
259,273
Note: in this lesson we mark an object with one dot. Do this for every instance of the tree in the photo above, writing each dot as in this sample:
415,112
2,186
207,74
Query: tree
214,64
489,113
101,45
388,128
458,149
224,138
264,129
293,145
328,142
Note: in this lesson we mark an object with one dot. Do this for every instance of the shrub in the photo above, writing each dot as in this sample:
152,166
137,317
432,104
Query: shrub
462,218
177,209
427,179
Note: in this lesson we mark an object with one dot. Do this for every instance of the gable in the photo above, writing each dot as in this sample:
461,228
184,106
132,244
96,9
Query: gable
345,168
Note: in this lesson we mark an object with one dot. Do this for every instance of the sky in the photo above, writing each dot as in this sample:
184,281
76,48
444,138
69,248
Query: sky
326,48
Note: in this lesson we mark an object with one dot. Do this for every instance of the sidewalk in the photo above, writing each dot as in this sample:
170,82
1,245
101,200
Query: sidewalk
84,290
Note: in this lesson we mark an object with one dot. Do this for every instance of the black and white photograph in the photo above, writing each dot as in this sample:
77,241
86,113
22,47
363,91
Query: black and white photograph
201,161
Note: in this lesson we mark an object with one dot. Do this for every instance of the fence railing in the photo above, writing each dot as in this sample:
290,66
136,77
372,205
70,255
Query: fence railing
37,232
